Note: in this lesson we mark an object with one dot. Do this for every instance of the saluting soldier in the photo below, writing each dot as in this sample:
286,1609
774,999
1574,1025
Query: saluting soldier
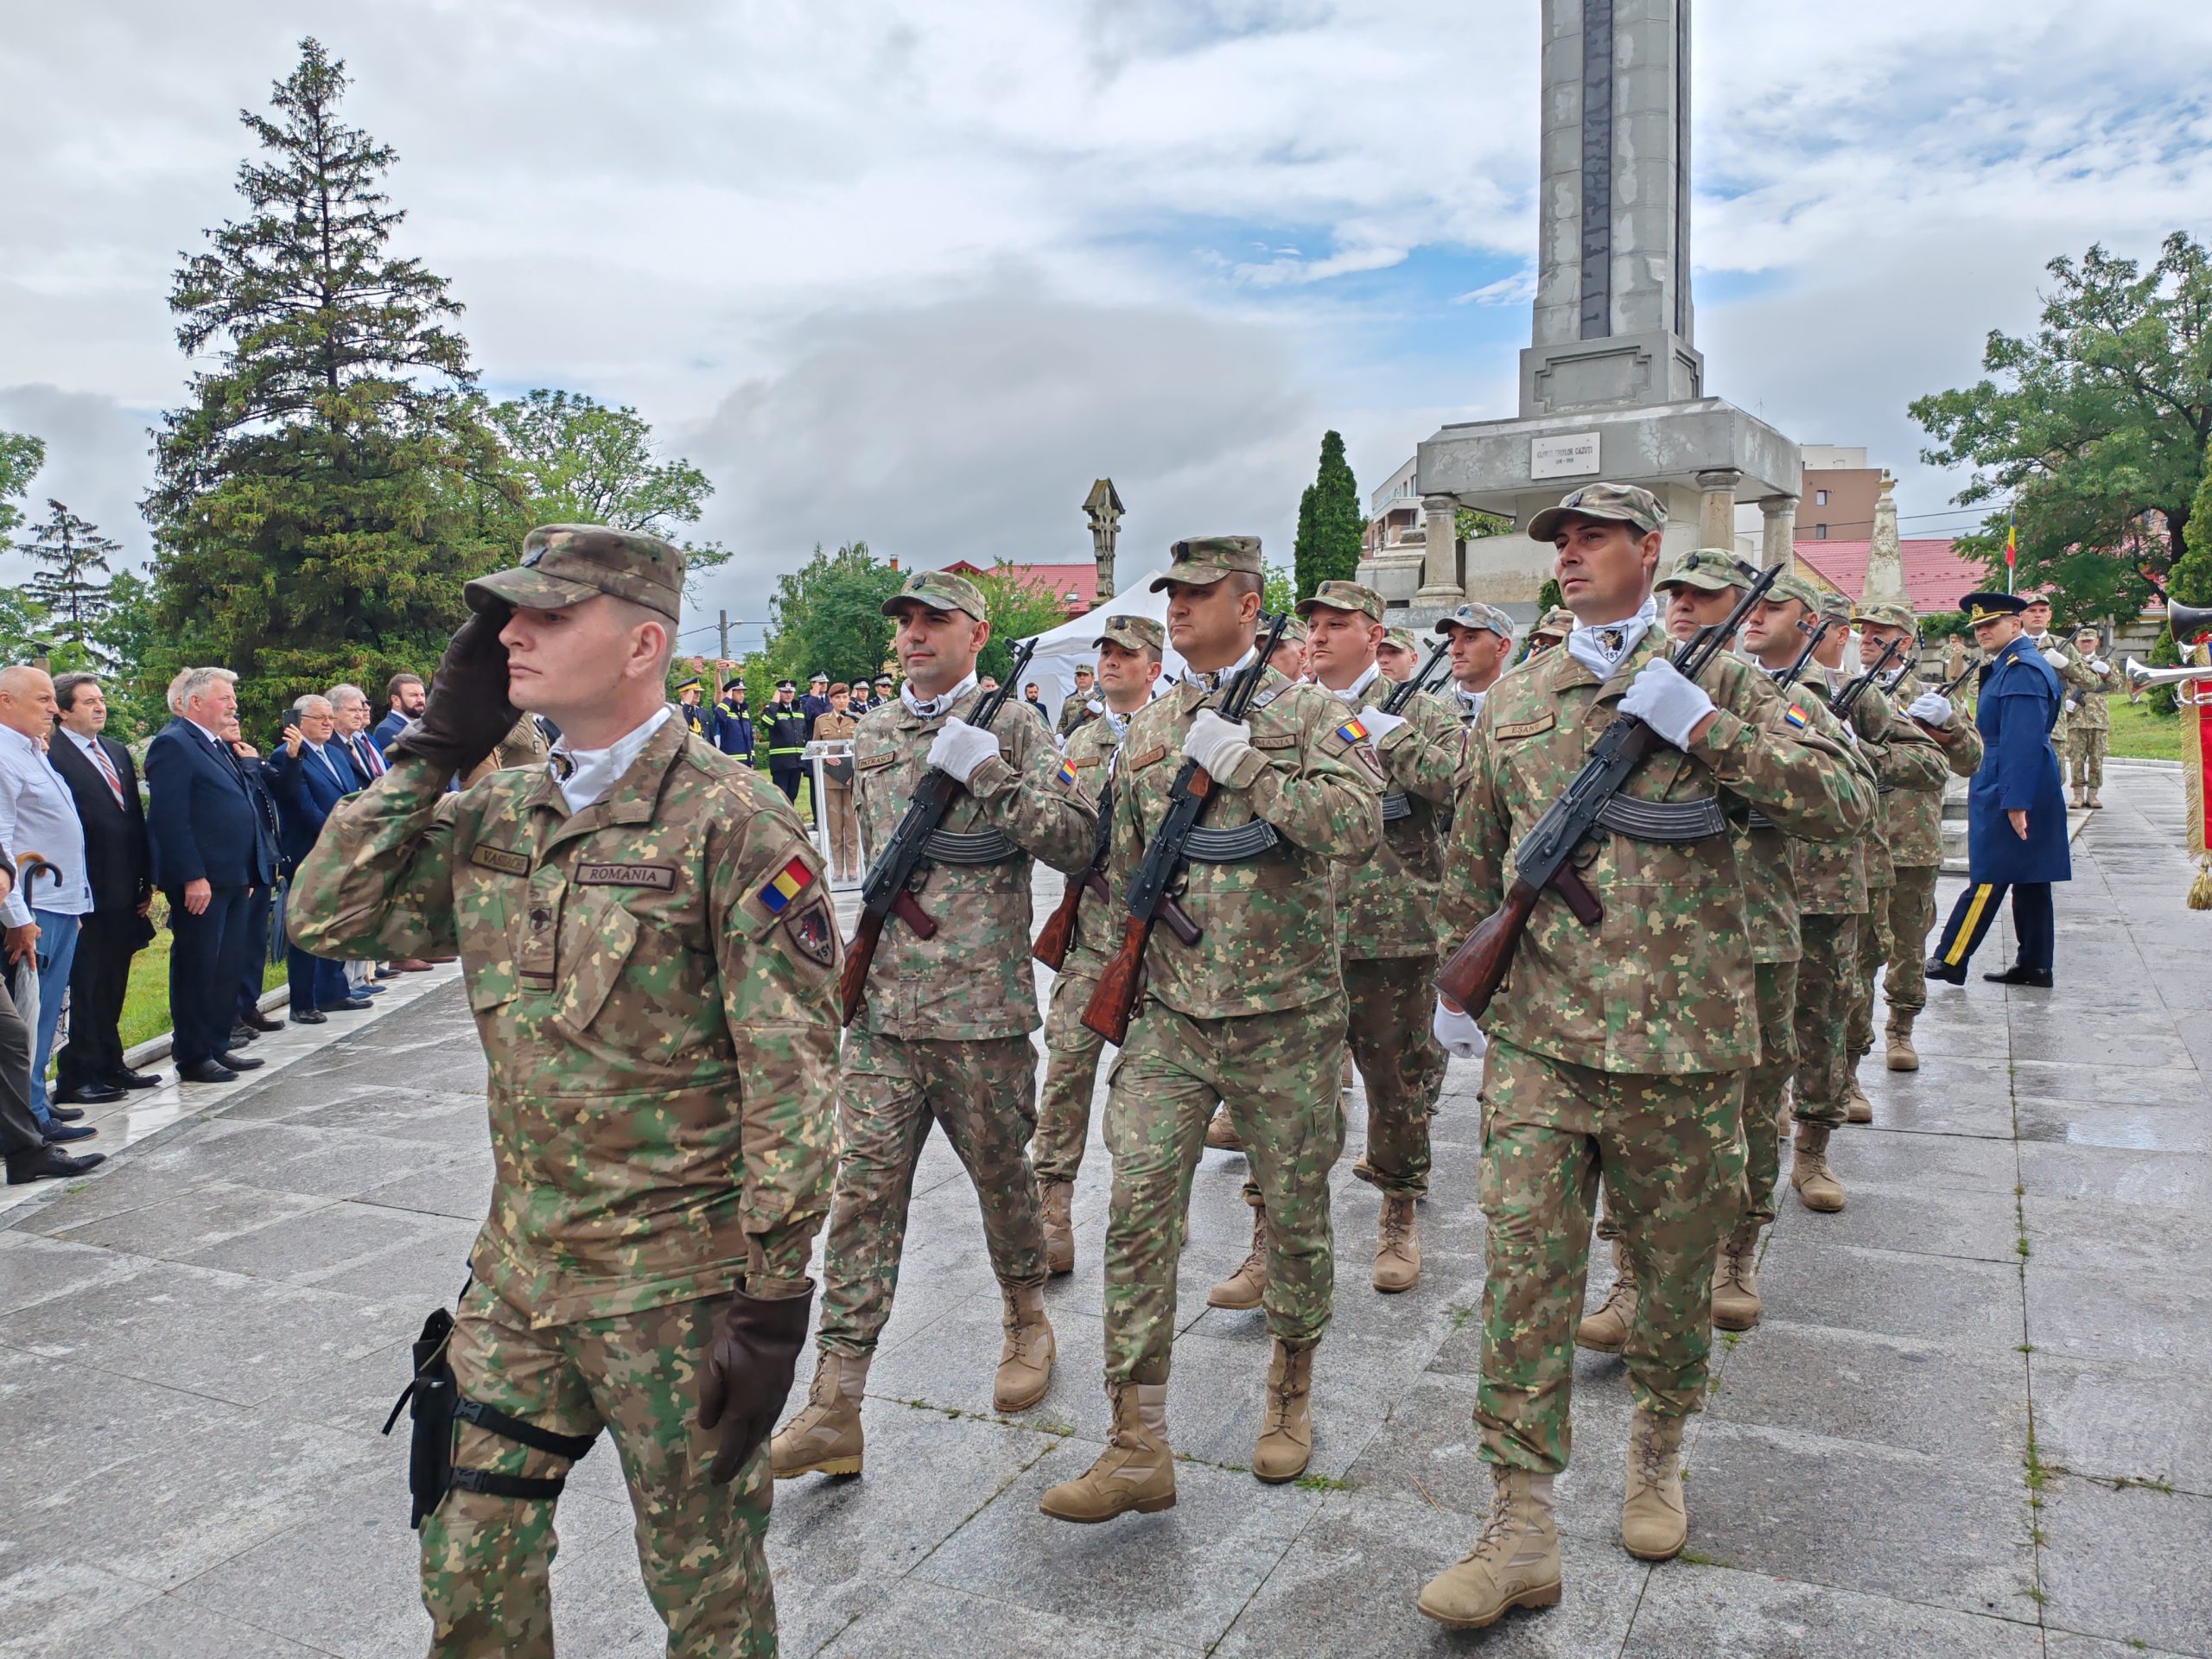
943,1035
1912,824
649,953
1482,640
2089,721
1129,650
691,707
1617,1050
1252,1014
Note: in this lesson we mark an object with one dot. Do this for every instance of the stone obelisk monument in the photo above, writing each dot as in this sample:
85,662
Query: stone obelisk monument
1884,553
1612,385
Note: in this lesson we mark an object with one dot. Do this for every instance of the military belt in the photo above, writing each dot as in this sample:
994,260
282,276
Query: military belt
1663,821
1203,846
1396,806
979,847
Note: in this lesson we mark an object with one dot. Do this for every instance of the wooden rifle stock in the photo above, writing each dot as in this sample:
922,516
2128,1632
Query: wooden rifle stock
1472,975
1115,997
860,955
1057,934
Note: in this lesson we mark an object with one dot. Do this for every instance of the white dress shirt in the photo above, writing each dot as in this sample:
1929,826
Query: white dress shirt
583,775
38,815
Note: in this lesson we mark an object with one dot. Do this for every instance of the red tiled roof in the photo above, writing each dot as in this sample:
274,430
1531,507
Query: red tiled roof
1935,574
1062,579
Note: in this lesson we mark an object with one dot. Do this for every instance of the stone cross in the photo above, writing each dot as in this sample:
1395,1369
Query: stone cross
1104,508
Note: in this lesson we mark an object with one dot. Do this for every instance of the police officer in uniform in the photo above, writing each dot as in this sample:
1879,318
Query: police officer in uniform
784,725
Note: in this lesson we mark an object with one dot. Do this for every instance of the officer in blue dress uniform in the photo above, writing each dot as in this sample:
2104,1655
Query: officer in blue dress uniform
2016,806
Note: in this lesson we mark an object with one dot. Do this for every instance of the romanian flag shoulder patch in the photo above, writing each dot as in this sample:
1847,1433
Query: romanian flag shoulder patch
1795,716
1066,775
785,885
1352,732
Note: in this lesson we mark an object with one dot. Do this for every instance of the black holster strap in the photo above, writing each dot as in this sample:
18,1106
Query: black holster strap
494,1420
1230,846
523,1486
982,847
1396,806
1663,821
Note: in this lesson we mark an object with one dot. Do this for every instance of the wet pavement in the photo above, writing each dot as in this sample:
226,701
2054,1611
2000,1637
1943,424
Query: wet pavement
1972,1424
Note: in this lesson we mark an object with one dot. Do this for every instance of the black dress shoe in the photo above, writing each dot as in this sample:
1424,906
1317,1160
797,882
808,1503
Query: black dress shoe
1937,967
208,1071
351,1005
63,1114
136,1080
239,1062
2039,978
49,1164
259,1022
91,1094
311,1017
56,1133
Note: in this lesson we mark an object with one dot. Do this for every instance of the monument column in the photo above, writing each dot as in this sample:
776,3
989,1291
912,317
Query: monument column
1440,565
1716,518
1779,545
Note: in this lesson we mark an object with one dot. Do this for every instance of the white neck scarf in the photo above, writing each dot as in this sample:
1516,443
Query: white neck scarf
1350,694
583,775
1470,701
935,706
1600,646
1214,680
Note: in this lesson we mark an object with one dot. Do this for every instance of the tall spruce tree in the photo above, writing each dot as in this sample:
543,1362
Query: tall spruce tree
317,501
1329,523
71,554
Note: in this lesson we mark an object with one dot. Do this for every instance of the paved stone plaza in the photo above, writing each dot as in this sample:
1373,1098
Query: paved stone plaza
1974,1424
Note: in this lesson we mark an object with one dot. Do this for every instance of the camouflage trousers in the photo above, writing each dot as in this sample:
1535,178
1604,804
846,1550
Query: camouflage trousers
1670,1152
1278,1074
982,1092
1824,981
1072,1051
1389,1003
2085,756
1912,913
1873,950
1766,1085
486,1560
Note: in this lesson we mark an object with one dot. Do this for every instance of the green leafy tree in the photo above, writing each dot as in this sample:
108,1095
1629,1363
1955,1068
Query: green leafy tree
24,631
1329,524
323,495
1280,590
1548,596
2096,428
827,615
21,456
71,554
581,461
126,636
1020,607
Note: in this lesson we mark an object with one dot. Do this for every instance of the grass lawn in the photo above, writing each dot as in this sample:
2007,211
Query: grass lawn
2140,734
146,1004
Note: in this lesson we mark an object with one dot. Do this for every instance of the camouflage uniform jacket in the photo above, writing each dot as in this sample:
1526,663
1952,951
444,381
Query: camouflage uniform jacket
2075,677
1389,902
655,1010
1916,817
1663,983
1907,762
1831,875
972,979
1077,711
1090,751
2091,712
1268,923
1769,893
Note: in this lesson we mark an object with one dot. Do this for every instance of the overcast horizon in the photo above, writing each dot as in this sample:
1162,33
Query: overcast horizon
919,279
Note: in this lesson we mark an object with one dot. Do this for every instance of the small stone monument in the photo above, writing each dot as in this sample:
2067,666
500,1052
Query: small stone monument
1104,508
1885,580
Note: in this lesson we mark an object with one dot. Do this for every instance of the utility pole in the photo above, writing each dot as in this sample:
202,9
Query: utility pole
725,628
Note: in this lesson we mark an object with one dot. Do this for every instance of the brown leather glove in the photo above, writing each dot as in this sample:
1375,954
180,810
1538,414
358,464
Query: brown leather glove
748,1376
468,712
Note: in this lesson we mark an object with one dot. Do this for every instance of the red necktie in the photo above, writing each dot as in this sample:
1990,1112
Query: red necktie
107,771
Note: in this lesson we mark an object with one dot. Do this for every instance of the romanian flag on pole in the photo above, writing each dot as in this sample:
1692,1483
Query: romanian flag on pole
2012,547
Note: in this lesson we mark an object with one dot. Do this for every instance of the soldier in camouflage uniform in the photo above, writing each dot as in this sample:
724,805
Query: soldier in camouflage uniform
649,953
1617,1051
2089,720
1482,640
1082,704
1129,650
2074,674
1398,655
943,1034
1914,822
1254,1014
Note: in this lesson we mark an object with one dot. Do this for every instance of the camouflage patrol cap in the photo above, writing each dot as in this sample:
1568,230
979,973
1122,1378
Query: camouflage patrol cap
1293,629
1200,560
566,565
1131,633
1709,571
1556,623
1402,638
1791,585
1834,607
1888,613
1478,617
1627,503
1344,596
941,590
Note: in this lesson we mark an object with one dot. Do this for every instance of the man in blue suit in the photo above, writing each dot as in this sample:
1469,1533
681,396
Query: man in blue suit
405,695
2016,805
209,857
307,776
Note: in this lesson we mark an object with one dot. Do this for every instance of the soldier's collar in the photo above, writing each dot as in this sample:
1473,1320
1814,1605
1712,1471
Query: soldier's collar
936,708
633,797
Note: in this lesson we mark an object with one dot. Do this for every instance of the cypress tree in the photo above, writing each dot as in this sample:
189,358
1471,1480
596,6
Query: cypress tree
1329,524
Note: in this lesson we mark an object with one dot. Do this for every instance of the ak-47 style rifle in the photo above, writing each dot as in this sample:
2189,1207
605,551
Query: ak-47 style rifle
1950,686
885,893
1840,705
1788,678
1057,935
1473,973
1403,693
1115,997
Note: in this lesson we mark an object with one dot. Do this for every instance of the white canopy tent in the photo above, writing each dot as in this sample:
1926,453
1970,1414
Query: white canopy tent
1059,650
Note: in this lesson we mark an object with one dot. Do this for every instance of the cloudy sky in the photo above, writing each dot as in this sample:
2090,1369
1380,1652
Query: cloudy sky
919,273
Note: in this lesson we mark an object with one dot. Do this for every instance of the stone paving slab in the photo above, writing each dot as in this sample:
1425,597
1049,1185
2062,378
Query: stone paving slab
198,1344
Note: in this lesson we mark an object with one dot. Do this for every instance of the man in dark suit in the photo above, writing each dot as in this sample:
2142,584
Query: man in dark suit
104,786
211,852
405,696
309,775
250,957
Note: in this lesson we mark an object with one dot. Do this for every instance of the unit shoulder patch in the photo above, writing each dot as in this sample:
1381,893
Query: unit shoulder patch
812,933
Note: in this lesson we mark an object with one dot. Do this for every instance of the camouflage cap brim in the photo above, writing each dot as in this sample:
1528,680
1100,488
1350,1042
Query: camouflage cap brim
531,590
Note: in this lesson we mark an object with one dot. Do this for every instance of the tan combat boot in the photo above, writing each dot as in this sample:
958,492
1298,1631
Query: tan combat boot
1903,1056
825,1437
2094,801
1604,1332
1026,1358
1246,1286
1817,1186
2080,798
1135,1471
1654,1524
1857,1109
1735,1279
1221,1134
1397,1245
1515,1562
1285,1442
1056,1200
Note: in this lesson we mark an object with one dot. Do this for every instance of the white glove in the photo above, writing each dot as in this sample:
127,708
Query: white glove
1664,700
2072,705
1217,744
2101,665
1931,708
2054,656
1457,1033
1380,726
959,749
